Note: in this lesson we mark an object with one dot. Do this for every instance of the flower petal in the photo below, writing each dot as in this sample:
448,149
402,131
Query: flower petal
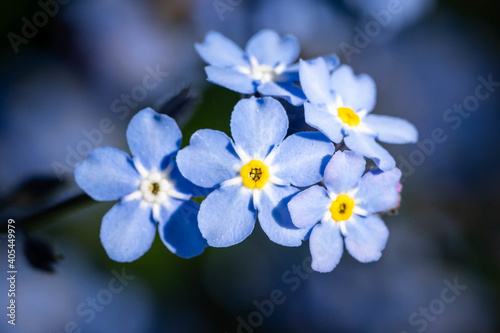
378,190
178,228
326,246
268,48
309,206
209,159
331,61
107,174
219,51
128,230
301,159
392,129
344,171
366,237
286,90
274,217
358,92
258,124
230,79
327,123
153,137
180,183
315,80
365,145
227,216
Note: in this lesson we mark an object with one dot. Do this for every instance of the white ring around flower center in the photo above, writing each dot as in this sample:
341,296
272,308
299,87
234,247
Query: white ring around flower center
155,187
262,72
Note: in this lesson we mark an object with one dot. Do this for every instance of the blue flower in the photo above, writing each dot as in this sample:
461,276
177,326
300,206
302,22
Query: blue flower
253,173
339,105
346,207
264,67
150,189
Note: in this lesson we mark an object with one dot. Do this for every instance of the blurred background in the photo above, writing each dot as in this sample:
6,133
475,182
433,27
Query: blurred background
67,67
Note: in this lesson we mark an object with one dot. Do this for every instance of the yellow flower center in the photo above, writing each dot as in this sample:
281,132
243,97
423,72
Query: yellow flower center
348,116
342,207
255,174
154,188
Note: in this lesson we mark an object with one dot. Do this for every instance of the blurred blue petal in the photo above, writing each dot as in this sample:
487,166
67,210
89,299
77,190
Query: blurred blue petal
315,81
270,49
107,174
153,137
178,228
391,129
365,144
326,246
128,230
230,79
219,51
286,90
366,237
358,92
377,190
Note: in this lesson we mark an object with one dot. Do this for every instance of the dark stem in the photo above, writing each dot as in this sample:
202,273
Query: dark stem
51,213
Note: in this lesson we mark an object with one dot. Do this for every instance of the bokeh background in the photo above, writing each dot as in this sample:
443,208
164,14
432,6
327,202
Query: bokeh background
62,78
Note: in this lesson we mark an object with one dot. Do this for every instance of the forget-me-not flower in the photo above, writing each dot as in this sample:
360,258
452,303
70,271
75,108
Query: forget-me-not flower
150,188
346,207
253,174
339,105
266,66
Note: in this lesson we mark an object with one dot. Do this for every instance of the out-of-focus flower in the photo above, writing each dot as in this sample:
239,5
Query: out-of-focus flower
264,67
150,188
347,208
339,106
254,173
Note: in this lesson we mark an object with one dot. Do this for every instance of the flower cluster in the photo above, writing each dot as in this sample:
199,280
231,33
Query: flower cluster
297,187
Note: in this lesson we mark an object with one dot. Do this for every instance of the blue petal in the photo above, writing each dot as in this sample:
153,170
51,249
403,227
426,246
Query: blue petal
274,217
365,145
230,79
331,60
301,159
127,230
258,124
315,80
366,237
326,246
209,159
344,171
152,138
107,174
178,228
268,48
180,183
286,90
219,51
227,216
309,207
357,92
377,190
391,129
324,121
